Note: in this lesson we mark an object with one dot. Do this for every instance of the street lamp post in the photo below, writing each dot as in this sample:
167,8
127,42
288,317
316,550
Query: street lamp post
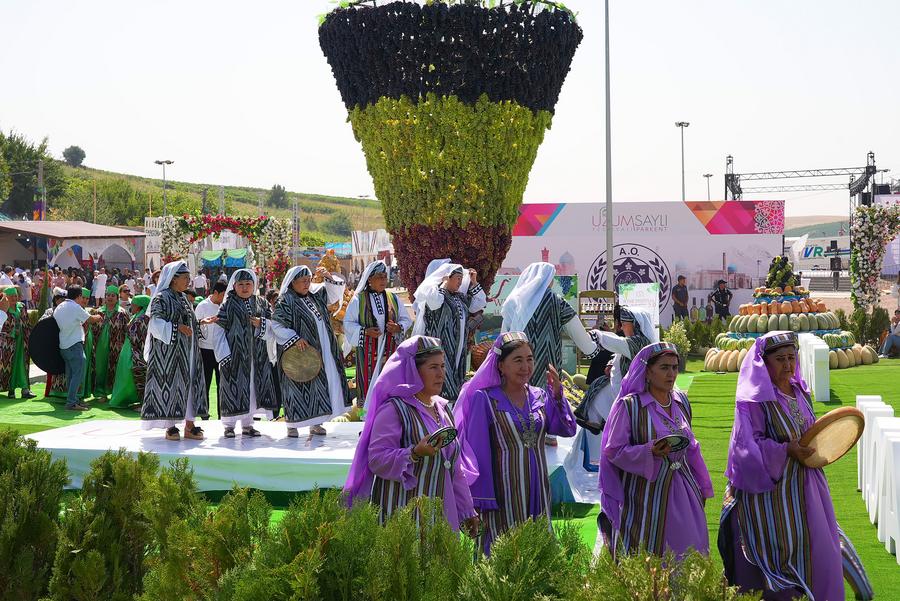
610,272
165,198
707,176
681,125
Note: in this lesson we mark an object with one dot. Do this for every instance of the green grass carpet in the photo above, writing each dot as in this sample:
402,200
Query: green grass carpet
712,397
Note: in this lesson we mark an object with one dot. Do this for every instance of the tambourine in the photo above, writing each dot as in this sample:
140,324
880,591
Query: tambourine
677,442
301,366
443,437
832,436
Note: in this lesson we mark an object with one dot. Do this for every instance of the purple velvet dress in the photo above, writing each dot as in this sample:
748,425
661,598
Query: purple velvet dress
653,503
760,472
508,443
778,533
400,423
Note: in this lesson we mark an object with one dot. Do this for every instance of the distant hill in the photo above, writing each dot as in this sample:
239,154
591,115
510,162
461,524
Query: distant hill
817,226
124,199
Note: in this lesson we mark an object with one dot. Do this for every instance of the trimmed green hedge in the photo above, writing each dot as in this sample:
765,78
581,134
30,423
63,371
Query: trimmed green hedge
137,531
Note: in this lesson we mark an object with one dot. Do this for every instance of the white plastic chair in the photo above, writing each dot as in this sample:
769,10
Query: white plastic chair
888,471
890,525
863,401
880,427
871,414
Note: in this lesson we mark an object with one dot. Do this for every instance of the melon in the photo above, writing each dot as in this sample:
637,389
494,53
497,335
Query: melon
764,308
866,355
733,361
787,308
740,325
715,363
843,361
875,358
795,307
774,308
803,320
832,359
857,354
741,357
709,354
820,306
822,322
851,357
762,324
784,322
773,323
795,323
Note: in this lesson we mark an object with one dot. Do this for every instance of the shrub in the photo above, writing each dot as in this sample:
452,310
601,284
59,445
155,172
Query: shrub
526,563
643,577
111,527
677,335
204,545
32,484
842,319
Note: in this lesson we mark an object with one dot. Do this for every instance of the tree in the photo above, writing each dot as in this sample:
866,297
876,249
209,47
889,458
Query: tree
338,224
277,197
22,156
74,156
5,180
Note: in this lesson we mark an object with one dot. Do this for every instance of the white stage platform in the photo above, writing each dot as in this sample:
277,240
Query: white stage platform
271,462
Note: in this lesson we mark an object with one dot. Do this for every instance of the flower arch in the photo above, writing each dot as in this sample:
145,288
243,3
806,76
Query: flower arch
270,238
872,229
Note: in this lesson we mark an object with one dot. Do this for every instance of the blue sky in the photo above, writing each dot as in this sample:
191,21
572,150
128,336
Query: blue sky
239,93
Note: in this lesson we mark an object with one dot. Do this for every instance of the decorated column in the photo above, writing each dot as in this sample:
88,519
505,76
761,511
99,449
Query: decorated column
450,104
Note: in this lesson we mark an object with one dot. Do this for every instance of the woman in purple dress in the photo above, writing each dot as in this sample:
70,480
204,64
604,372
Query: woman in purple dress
778,533
504,421
653,493
394,461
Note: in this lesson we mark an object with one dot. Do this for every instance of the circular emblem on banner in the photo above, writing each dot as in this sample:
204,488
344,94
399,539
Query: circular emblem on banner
632,264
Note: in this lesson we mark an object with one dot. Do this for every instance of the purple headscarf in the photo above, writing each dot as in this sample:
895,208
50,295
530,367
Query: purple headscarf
754,383
399,378
612,492
487,376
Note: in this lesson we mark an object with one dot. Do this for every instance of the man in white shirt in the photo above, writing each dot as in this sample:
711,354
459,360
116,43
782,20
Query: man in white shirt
98,291
209,307
201,283
131,284
71,317
6,277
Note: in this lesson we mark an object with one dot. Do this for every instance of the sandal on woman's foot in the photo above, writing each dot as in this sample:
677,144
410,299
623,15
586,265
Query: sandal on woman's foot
229,432
292,433
251,431
173,434
318,430
195,433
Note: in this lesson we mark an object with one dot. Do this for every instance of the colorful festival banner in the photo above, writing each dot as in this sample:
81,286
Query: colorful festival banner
654,242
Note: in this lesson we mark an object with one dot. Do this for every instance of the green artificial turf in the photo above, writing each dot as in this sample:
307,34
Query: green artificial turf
712,398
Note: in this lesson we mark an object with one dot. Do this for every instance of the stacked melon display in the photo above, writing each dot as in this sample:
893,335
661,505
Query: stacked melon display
784,307
798,315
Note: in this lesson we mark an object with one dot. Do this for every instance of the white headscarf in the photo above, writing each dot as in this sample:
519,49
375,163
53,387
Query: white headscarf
293,273
364,279
233,281
443,268
165,280
644,321
524,299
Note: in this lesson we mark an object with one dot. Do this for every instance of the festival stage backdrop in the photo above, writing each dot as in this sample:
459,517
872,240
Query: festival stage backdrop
654,242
